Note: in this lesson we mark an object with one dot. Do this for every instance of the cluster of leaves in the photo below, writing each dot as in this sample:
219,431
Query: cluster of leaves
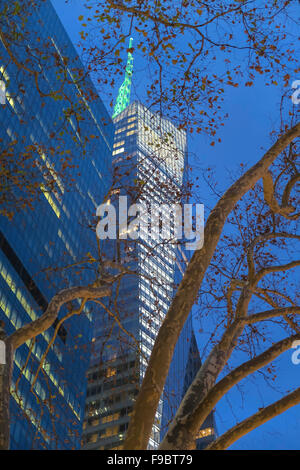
191,51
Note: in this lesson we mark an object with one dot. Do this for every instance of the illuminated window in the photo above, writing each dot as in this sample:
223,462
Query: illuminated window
110,372
95,422
121,130
94,437
204,432
4,73
111,431
51,202
53,172
116,152
110,418
118,144
11,101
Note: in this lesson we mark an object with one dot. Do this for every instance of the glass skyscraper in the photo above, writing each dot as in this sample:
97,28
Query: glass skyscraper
148,161
46,412
149,167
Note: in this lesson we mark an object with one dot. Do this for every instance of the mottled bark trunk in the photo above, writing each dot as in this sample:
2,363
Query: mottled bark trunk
196,417
182,432
5,383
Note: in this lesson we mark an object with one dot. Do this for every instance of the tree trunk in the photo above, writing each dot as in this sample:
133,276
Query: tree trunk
146,404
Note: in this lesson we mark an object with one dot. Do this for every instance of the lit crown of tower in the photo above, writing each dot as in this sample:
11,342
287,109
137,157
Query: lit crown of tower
123,98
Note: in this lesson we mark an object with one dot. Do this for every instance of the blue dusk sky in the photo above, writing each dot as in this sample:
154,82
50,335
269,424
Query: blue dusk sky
253,114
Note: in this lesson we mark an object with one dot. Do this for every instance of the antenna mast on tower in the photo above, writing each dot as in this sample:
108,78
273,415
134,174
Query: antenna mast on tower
123,98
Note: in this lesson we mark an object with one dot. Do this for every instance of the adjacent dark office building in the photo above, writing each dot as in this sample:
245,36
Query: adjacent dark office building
46,412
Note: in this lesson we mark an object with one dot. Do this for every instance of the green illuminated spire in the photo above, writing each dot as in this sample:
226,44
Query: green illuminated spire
123,98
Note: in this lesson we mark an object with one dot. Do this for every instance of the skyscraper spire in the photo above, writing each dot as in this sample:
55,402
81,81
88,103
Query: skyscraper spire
123,98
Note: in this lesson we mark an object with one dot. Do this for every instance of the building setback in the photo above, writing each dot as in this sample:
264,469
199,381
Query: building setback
53,234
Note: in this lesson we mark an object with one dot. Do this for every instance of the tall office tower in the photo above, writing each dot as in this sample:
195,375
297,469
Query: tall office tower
148,160
46,412
149,168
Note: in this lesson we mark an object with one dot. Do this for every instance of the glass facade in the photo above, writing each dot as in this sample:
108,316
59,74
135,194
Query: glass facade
47,408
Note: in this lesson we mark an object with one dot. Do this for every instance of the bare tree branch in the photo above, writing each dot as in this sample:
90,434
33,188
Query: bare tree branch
259,418
142,419
275,269
271,314
31,330
205,406
285,209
